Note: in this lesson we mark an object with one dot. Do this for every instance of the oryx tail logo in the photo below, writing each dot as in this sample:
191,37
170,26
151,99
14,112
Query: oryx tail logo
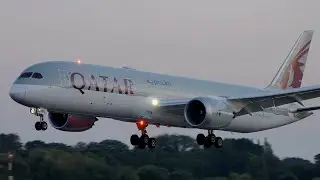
293,75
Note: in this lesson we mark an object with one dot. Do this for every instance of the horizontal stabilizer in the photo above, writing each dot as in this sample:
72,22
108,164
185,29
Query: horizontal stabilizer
304,109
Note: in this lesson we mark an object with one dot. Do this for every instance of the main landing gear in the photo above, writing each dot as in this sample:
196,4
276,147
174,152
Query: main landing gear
144,139
40,125
209,140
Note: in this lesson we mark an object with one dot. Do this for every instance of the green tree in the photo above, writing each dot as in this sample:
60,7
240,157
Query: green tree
127,173
181,175
216,178
34,145
272,164
257,167
317,165
176,157
176,143
9,142
301,168
288,176
235,176
80,146
317,159
152,172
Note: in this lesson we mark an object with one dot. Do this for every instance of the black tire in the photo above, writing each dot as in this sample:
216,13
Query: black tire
145,139
38,126
152,143
211,138
201,138
219,142
141,144
44,126
134,140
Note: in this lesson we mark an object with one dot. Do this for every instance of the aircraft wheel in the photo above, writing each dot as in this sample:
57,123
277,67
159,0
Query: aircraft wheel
152,143
134,140
144,138
211,138
141,144
44,125
38,126
201,139
219,142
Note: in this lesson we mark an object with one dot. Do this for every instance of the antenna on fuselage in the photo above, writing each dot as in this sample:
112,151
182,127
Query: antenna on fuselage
127,67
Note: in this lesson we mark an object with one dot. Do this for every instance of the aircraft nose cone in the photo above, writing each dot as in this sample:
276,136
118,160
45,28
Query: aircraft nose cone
17,93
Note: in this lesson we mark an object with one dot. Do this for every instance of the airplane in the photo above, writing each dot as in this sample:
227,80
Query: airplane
75,94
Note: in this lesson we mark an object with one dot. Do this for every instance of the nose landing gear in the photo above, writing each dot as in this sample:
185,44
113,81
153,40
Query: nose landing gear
39,125
144,139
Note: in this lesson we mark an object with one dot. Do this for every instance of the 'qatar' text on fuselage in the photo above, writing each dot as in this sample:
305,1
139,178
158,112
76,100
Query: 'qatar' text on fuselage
102,83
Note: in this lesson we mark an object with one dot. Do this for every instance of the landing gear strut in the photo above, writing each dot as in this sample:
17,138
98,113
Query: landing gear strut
144,139
209,140
39,125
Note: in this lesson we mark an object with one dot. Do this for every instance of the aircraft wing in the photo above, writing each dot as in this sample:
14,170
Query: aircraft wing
247,104
266,99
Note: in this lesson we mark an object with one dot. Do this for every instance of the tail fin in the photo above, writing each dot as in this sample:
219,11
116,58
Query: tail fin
291,71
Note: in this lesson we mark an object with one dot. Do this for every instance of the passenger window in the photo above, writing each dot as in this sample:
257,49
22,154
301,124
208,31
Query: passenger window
37,76
25,75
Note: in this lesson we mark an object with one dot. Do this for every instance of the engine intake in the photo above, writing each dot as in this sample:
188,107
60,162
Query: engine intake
204,111
195,112
70,122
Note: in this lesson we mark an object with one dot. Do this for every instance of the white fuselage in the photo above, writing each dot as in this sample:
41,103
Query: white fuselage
62,97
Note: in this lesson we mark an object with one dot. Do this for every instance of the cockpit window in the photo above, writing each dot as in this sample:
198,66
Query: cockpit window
25,75
37,75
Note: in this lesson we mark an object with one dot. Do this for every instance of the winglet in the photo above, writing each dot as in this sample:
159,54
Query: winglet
291,71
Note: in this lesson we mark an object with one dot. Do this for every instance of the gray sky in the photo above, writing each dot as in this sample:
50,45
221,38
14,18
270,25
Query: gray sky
241,42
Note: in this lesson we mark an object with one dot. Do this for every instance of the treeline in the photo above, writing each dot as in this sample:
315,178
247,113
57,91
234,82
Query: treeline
175,158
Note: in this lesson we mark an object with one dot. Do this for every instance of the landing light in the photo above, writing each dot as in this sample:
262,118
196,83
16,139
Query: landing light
33,110
155,102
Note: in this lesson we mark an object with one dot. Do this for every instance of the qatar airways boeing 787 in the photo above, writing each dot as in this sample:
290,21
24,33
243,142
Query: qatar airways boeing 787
75,95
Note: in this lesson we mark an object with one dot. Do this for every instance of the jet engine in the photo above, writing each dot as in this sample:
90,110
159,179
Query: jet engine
207,111
70,122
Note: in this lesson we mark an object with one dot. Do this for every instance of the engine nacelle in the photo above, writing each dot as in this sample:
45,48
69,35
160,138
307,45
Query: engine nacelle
205,111
70,122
